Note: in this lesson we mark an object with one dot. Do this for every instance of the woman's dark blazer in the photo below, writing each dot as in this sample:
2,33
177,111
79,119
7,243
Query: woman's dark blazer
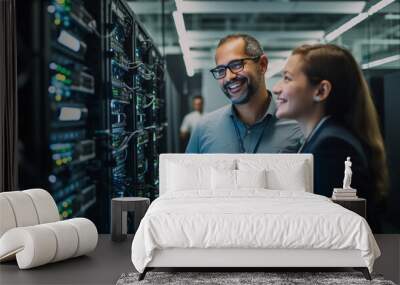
330,145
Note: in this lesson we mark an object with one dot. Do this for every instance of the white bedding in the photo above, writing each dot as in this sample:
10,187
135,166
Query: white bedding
251,218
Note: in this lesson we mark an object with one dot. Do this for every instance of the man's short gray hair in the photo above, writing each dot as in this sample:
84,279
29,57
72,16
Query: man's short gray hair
252,47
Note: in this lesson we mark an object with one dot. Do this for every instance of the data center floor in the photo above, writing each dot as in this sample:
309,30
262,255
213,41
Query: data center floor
110,259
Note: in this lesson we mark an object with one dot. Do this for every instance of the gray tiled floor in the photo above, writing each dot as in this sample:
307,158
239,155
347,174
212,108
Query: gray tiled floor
110,260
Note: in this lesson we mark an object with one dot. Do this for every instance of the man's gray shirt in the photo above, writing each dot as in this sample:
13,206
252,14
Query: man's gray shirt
216,133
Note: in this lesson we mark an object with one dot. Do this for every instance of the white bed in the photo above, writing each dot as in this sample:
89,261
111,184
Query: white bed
203,220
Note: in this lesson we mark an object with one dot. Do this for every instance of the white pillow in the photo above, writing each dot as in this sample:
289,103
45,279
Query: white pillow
280,174
292,179
183,178
236,179
188,175
223,179
251,178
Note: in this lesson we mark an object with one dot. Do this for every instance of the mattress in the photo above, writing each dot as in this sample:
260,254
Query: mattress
250,218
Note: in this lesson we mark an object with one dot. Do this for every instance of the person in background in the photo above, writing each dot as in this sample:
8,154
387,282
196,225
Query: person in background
191,119
323,88
248,123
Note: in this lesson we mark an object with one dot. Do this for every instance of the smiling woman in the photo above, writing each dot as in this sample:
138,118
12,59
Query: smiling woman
323,88
296,96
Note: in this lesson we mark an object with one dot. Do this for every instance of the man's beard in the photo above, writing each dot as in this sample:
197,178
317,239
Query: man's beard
245,96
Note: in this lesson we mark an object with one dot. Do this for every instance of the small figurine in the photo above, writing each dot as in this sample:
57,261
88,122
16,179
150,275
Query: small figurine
347,174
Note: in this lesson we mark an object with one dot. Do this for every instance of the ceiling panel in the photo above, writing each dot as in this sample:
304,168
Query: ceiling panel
279,25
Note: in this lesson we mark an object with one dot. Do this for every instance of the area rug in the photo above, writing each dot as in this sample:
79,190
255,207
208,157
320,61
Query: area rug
244,278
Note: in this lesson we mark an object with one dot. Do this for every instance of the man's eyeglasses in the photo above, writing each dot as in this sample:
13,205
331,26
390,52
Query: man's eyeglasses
234,66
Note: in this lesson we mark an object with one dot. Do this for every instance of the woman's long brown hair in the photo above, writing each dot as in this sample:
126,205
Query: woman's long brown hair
350,101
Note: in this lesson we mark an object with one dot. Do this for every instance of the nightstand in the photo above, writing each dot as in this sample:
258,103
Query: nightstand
358,206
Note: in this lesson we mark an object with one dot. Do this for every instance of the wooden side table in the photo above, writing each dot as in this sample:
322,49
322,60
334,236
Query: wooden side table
119,210
358,205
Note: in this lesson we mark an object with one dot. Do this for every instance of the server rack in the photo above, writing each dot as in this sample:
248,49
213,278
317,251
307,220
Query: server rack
131,66
97,111
150,104
55,133
114,127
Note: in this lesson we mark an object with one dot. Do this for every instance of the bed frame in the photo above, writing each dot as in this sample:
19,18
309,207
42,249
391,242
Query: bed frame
256,258
251,258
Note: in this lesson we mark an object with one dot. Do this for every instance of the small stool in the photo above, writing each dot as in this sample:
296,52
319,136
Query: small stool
119,209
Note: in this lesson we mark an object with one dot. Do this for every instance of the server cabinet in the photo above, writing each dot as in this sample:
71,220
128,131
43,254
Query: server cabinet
93,118
55,136
131,87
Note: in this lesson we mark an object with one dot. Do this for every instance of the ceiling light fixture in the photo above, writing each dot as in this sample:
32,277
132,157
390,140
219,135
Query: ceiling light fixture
356,20
179,5
379,6
183,41
346,26
381,61
392,16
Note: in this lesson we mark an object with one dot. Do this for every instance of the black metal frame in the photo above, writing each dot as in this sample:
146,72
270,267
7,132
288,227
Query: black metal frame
364,271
